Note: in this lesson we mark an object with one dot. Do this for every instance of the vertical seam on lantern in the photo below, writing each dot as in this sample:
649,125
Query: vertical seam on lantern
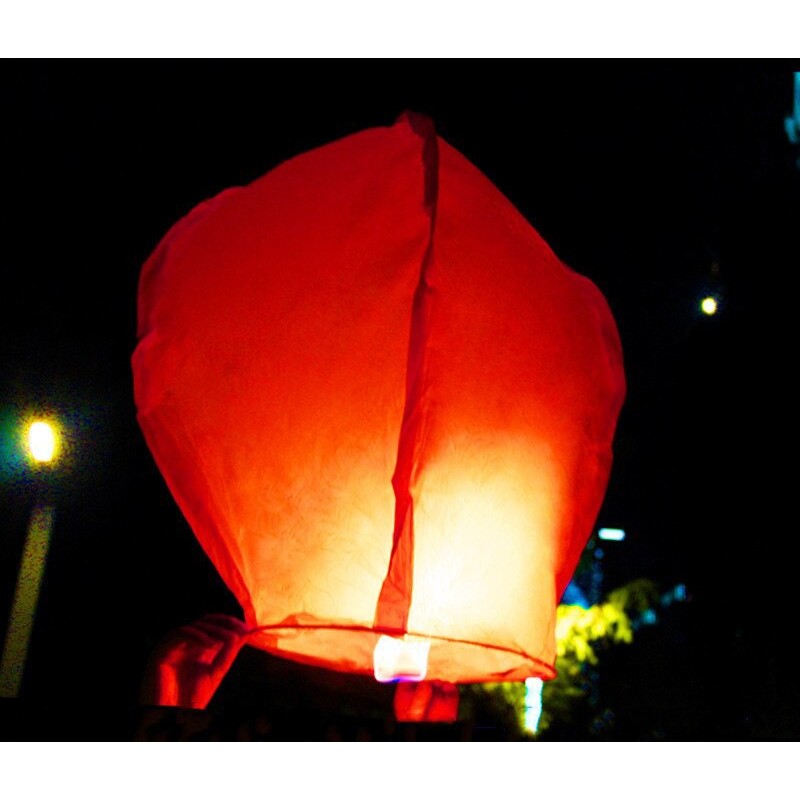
431,163
403,533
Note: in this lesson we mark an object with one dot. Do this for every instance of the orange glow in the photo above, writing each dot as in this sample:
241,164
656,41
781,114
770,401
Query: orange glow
384,406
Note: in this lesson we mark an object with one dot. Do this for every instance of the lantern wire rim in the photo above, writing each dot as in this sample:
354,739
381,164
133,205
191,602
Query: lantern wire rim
543,669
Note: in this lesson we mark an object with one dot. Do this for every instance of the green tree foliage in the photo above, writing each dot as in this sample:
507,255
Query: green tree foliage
581,635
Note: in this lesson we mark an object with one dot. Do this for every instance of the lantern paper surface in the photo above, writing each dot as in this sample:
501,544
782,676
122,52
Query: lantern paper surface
382,403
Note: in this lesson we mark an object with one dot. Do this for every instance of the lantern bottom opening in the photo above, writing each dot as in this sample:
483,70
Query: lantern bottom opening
350,648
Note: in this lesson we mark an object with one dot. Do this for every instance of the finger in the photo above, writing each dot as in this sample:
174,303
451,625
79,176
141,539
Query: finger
219,632
227,622
182,642
219,635
187,653
227,655
199,635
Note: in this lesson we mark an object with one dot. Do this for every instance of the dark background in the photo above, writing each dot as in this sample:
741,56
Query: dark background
660,182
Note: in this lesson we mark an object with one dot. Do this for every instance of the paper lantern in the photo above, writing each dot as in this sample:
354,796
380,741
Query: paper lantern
384,406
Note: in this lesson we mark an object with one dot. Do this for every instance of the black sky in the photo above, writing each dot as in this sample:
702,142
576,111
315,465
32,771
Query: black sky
660,182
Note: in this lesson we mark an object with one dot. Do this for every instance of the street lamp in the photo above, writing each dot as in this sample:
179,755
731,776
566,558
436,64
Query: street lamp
42,445
42,441
709,305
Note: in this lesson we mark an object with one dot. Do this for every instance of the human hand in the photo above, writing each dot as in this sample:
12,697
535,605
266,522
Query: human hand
426,701
188,666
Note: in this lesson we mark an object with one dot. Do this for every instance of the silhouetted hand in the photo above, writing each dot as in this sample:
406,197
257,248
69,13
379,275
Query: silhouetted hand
188,666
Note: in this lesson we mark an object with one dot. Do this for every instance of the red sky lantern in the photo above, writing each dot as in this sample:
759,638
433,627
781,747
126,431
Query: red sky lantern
384,406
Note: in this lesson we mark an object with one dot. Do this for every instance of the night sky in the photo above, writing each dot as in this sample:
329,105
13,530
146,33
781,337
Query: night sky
661,183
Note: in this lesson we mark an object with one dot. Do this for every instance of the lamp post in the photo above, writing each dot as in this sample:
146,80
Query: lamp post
42,446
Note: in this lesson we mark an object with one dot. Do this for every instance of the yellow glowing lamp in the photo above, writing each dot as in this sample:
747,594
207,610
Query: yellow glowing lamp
42,441
709,306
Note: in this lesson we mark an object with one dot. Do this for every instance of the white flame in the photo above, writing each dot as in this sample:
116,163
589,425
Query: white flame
400,659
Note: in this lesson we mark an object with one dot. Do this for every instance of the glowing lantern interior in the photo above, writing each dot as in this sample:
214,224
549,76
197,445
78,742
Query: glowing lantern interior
384,406
400,659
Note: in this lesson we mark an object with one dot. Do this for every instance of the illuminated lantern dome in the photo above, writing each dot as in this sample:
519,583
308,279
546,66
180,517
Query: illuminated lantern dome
384,406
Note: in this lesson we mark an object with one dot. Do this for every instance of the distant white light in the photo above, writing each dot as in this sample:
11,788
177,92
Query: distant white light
400,659
533,703
611,534
41,441
709,306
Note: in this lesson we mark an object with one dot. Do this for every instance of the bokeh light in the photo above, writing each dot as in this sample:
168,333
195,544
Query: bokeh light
709,306
42,441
